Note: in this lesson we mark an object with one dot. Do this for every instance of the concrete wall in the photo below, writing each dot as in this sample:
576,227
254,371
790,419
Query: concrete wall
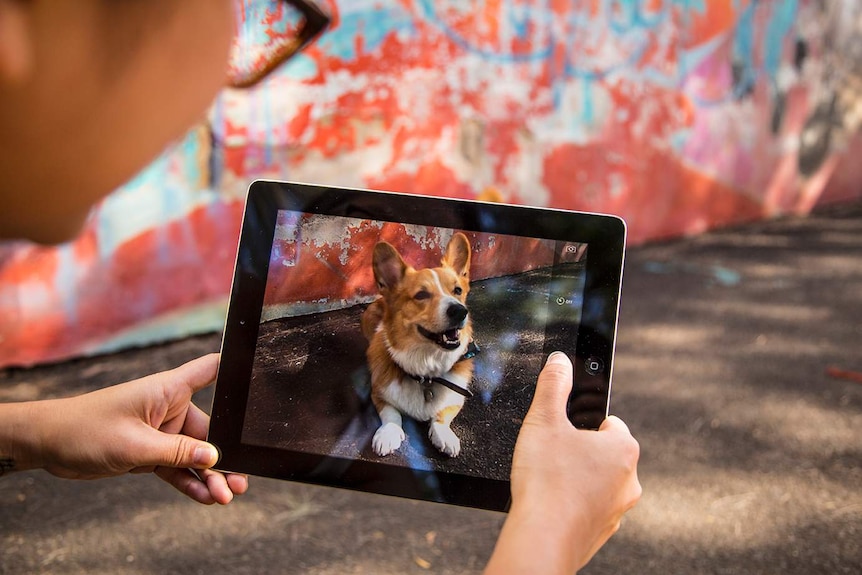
679,115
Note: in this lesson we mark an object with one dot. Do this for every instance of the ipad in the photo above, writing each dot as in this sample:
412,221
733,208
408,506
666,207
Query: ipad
391,343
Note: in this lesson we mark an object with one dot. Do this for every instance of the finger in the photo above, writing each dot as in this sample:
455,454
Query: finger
552,389
196,374
237,482
197,422
155,448
217,485
626,445
628,453
614,427
186,483
614,424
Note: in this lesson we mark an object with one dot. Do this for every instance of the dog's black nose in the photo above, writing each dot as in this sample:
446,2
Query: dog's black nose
456,312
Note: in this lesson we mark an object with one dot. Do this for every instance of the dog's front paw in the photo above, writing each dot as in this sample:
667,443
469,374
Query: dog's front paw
387,438
444,439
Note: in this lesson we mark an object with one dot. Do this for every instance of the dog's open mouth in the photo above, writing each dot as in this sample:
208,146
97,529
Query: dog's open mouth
449,339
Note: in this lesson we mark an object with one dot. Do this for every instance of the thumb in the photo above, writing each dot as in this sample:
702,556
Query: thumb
175,450
552,389
194,375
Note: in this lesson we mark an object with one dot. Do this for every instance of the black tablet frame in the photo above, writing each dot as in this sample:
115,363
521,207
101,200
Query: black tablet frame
604,234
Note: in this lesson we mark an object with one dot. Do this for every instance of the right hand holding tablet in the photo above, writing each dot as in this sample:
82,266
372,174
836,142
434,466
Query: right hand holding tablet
570,487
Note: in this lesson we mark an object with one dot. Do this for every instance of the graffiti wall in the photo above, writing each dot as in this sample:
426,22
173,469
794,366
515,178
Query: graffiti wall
324,263
678,115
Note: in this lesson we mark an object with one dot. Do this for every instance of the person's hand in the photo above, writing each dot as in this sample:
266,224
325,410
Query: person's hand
570,487
146,425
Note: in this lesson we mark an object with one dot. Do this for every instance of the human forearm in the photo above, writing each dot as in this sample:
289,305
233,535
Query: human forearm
532,541
20,436
570,487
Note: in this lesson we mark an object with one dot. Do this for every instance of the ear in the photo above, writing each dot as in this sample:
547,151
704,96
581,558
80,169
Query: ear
389,268
16,42
458,255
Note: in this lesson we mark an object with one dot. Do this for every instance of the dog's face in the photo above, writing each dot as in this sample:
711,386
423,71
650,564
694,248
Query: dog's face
425,308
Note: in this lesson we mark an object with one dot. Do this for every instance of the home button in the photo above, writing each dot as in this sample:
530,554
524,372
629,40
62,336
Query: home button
594,365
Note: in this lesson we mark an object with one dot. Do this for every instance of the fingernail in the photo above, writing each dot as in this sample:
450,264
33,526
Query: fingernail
557,357
205,455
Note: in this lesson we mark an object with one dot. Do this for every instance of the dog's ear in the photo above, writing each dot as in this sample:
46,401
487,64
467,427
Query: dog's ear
389,268
458,255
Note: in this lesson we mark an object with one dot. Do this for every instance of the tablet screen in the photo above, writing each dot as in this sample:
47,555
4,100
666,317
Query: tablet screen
336,308
310,386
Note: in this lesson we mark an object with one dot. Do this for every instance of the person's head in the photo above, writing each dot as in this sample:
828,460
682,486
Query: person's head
93,90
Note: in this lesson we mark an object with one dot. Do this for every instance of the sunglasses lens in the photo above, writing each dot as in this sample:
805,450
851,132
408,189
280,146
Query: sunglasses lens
267,33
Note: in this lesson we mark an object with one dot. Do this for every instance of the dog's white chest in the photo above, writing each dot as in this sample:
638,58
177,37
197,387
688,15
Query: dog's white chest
409,397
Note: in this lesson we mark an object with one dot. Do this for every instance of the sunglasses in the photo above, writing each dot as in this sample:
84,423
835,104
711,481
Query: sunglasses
268,33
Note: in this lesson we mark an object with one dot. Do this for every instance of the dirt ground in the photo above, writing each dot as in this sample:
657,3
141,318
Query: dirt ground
732,362
331,412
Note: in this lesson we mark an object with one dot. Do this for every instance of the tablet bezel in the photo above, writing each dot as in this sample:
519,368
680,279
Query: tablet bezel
604,234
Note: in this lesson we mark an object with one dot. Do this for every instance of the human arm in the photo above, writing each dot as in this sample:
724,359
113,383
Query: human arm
570,487
146,425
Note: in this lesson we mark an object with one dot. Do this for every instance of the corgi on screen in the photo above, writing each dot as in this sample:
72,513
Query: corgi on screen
420,344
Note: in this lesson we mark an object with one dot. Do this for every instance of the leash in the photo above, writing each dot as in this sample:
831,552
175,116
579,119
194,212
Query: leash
427,382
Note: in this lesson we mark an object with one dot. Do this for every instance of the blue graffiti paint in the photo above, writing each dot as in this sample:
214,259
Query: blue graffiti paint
777,29
530,18
280,20
188,150
300,68
632,25
743,51
519,21
372,25
66,282
588,112
158,194
780,24
632,14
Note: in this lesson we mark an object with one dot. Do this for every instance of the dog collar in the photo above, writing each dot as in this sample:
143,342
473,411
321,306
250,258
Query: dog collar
472,351
427,382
